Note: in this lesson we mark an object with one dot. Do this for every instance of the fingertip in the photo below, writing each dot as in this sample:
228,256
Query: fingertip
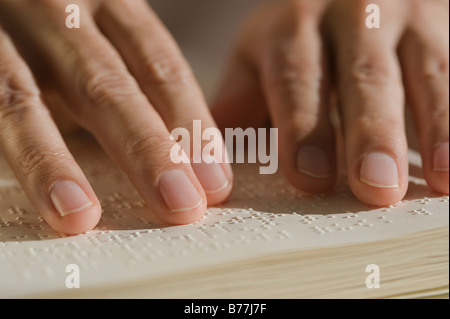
73,208
378,197
183,200
380,179
314,171
216,178
79,222
221,195
438,182
437,171
310,184
184,217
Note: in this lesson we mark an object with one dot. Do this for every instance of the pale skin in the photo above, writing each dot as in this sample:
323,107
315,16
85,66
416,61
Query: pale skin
123,78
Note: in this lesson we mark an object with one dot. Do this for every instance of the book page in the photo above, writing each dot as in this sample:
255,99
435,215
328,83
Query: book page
265,215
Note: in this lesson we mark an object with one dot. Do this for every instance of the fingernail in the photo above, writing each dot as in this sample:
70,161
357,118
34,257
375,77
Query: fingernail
68,198
313,161
211,175
178,191
379,170
440,158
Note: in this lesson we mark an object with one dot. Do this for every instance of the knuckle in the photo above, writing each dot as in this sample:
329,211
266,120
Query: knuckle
166,69
99,89
14,113
436,69
370,71
374,124
439,115
16,101
139,149
290,71
296,80
39,160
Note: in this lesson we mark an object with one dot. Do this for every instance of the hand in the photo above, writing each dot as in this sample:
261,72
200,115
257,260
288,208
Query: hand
292,56
121,77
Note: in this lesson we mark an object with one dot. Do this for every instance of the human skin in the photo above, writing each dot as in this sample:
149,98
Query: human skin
121,77
296,60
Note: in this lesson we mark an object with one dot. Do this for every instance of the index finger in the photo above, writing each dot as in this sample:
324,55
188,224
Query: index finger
165,77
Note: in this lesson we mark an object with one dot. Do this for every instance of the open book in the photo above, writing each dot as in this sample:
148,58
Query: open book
267,241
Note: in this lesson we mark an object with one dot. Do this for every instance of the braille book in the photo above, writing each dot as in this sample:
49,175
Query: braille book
267,241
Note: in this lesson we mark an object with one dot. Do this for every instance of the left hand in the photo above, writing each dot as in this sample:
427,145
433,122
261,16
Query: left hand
293,53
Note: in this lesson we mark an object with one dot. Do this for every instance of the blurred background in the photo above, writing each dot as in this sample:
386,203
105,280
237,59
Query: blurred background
205,30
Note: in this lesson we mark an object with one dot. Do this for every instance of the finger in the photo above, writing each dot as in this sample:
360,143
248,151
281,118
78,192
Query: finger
108,102
240,93
371,99
58,106
424,55
165,77
294,78
43,165
10,14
